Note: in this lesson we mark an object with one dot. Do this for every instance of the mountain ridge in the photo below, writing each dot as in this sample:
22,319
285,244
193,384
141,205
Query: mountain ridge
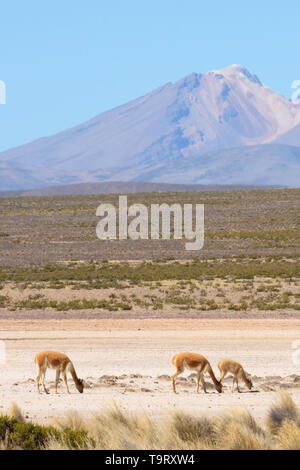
119,187
201,114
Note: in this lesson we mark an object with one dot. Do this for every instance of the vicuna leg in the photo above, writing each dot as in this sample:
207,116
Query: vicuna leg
57,379
203,383
43,381
222,376
178,372
233,382
38,381
200,377
198,382
66,381
237,383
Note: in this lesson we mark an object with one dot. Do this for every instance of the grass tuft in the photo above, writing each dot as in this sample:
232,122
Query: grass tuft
116,429
284,409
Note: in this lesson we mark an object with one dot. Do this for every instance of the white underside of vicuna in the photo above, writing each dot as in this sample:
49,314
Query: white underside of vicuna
197,368
48,365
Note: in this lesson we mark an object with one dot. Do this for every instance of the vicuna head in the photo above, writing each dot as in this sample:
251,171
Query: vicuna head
219,387
80,385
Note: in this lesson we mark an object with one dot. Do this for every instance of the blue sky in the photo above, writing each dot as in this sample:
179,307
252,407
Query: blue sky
65,61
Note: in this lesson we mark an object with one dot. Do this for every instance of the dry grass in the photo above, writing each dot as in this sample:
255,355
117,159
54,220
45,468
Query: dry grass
282,411
238,430
289,436
15,412
54,229
138,293
52,260
115,429
235,429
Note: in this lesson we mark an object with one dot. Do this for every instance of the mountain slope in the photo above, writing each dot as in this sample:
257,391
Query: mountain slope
162,131
114,187
292,137
269,164
16,176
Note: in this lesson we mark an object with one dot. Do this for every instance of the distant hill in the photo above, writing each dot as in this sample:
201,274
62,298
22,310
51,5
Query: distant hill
121,188
261,165
199,130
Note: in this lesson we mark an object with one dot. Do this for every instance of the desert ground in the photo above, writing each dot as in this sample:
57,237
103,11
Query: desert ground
121,309
128,363
38,231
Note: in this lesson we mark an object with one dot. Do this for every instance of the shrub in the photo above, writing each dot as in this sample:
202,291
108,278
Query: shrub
18,434
284,409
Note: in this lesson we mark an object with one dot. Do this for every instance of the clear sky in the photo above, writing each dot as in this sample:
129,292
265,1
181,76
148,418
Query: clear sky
65,61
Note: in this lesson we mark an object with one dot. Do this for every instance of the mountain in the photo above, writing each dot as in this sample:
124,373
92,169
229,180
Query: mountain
265,165
292,137
182,132
261,165
17,176
118,187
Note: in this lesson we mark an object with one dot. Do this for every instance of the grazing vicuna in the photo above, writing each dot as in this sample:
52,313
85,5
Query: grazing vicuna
197,363
232,367
59,362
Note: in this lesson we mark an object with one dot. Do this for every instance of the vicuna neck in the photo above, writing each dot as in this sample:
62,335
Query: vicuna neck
73,373
214,379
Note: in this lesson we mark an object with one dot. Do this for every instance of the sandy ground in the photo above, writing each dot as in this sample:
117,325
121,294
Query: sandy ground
129,362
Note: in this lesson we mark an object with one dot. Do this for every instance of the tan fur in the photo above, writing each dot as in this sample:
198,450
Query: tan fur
232,367
59,362
197,363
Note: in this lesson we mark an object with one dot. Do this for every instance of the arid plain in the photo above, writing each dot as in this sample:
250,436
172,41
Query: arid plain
121,310
128,362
